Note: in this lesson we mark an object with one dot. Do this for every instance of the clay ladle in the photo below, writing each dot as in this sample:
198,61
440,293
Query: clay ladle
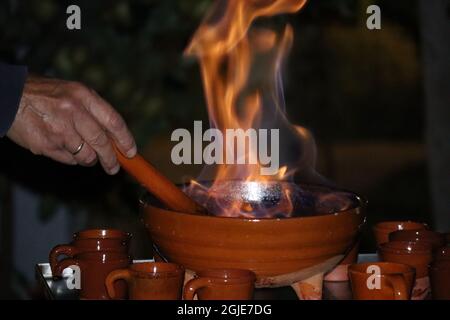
158,185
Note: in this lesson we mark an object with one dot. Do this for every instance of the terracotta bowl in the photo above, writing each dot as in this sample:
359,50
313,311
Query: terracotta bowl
279,251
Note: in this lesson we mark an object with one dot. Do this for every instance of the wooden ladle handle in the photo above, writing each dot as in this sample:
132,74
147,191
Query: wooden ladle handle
158,185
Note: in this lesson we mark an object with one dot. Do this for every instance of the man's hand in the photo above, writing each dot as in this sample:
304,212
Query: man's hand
56,118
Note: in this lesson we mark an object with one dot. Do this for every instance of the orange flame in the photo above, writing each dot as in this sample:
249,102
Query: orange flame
227,48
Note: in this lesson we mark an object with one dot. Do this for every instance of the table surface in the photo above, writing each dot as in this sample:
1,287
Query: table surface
57,289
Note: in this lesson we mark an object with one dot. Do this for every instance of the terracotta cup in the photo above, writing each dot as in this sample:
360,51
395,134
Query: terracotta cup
383,229
94,267
221,284
435,239
149,281
102,240
393,282
442,254
440,280
415,254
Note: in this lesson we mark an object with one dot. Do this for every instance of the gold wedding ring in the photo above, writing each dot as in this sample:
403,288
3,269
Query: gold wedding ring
79,148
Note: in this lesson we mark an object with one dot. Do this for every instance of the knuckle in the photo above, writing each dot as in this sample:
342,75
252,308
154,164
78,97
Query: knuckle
59,129
77,89
115,122
99,139
67,103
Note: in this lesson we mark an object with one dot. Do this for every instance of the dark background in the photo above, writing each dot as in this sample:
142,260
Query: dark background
366,95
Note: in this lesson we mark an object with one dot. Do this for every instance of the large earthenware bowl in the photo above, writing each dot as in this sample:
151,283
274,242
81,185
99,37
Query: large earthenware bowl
279,250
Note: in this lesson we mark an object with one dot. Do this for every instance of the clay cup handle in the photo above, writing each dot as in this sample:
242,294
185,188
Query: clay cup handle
398,283
192,286
59,250
63,264
112,277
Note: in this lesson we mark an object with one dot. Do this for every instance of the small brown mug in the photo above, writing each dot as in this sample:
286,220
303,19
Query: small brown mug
94,267
382,229
381,281
415,254
440,280
435,239
221,284
149,281
101,240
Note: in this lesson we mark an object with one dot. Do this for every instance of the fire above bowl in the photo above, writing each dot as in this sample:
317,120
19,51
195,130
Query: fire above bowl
295,250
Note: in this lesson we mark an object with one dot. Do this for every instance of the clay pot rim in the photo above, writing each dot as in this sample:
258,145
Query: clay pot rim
408,269
379,226
404,253
264,220
362,204
359,211
175,271
102,233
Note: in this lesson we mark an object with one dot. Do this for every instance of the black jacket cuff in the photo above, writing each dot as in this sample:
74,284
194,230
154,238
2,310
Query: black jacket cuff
12,81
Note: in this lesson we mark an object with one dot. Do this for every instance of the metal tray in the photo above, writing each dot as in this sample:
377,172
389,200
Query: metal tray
57,289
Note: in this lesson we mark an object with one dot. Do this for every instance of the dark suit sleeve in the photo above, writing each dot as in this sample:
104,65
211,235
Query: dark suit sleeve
12,80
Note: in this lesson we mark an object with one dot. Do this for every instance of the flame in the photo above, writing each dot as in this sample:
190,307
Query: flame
227,48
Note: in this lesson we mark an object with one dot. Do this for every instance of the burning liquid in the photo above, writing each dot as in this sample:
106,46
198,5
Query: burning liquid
241,68
251,199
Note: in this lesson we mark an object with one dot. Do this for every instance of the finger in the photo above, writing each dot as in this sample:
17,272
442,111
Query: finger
87,156
81,151
93,135
63,156
112,122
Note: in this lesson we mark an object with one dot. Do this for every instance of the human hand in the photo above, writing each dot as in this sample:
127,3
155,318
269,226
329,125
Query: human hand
57,118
